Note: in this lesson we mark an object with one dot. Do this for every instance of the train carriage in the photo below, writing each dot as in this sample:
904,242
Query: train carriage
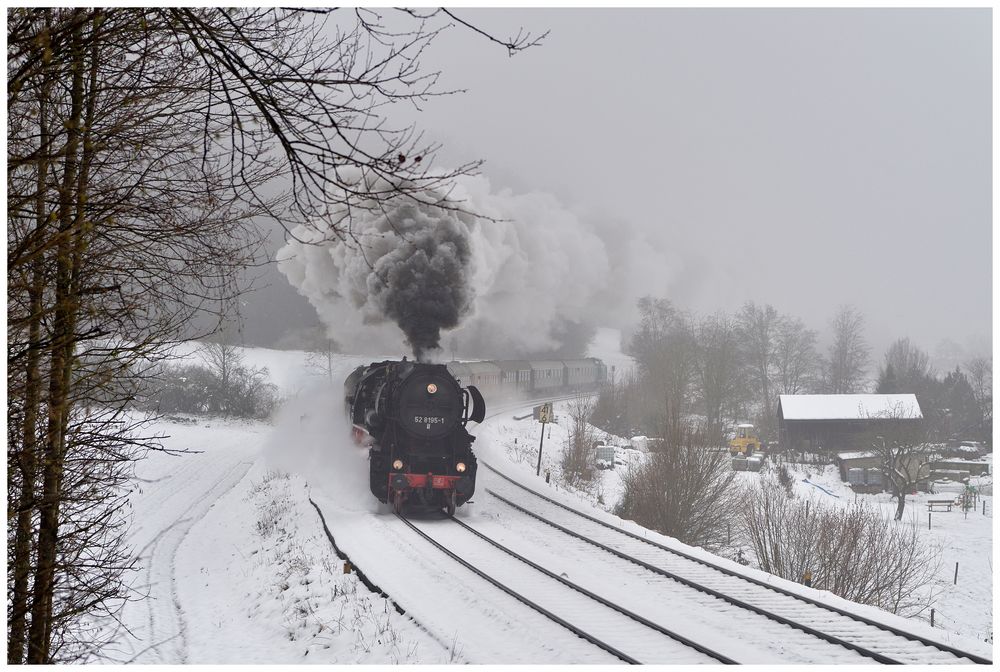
547,376
515,376
583,374
485,376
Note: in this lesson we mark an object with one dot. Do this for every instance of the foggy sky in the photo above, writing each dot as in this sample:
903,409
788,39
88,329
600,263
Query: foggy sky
803,158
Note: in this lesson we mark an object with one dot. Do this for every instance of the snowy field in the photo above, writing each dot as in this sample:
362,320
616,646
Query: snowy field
237,567
964,607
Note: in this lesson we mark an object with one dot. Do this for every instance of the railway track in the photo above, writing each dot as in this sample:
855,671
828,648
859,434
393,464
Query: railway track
624,634
875,641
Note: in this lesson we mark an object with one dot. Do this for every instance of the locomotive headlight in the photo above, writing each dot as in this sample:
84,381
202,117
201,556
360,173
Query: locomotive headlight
431,388
397,465
460,467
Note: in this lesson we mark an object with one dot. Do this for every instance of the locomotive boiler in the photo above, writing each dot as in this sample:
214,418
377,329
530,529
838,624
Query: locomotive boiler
413,416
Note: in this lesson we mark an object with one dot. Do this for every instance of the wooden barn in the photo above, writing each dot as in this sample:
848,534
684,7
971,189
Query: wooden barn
832,423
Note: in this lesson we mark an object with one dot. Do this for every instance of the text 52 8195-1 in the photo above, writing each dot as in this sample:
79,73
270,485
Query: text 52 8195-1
428,420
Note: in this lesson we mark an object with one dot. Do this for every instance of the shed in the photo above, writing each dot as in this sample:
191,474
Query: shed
831,423
864,470
972,467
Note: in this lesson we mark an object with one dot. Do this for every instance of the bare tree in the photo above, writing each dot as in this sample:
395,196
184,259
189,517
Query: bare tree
578,457
685,490
900,439
980,373
666,350
320,358
144,146
797,363
908,364
719,374
848,354
758,334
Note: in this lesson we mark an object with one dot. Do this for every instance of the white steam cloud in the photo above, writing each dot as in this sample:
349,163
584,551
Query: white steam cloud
414,276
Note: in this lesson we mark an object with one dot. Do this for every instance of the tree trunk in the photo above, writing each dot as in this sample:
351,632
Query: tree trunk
900,504
26,462
26,466
40,633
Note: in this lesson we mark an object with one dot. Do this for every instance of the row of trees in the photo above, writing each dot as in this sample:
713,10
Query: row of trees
145,146
725,367
122,227
958,404
224,385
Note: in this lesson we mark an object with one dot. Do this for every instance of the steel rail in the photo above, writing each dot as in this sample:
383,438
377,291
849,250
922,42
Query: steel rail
520,598
802,598
357,570
597,598
867,653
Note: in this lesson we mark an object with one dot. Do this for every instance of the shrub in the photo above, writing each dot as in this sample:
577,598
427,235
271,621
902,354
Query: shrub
786,481
685,491
855,552
225,387
578,455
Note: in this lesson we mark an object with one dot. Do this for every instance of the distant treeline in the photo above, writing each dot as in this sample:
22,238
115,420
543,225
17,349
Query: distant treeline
704,373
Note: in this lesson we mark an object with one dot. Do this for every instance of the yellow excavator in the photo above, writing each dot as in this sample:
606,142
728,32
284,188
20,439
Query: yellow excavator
745,442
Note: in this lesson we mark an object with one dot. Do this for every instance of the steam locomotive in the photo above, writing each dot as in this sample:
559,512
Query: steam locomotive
412,416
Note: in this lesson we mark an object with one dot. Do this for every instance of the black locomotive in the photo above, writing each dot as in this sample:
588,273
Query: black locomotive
413,416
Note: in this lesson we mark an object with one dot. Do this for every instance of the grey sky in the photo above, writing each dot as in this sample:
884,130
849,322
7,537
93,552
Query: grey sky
804,158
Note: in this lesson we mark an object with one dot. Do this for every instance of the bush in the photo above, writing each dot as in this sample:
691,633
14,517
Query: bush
225,387
578,455
685,491
786,481
854,552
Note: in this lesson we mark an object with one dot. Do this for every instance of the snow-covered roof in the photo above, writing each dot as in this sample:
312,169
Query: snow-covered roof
513,365
849,406
578,362
854,454
482,367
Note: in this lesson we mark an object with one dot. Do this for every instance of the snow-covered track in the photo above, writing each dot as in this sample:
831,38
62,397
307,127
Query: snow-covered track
876,641
597,598
357,570
565,597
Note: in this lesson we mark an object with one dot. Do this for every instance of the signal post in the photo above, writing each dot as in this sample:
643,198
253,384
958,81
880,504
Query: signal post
544,415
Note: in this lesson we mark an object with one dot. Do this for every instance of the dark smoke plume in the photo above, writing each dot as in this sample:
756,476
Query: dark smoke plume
526,278
423,283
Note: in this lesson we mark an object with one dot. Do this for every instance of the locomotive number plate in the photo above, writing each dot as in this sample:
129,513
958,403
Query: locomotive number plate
439,482
428,420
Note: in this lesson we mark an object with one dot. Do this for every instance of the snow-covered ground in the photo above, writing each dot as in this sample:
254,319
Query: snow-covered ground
966,538
964,607
238,569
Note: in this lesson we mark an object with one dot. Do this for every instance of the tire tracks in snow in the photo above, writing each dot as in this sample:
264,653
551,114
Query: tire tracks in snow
167,625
